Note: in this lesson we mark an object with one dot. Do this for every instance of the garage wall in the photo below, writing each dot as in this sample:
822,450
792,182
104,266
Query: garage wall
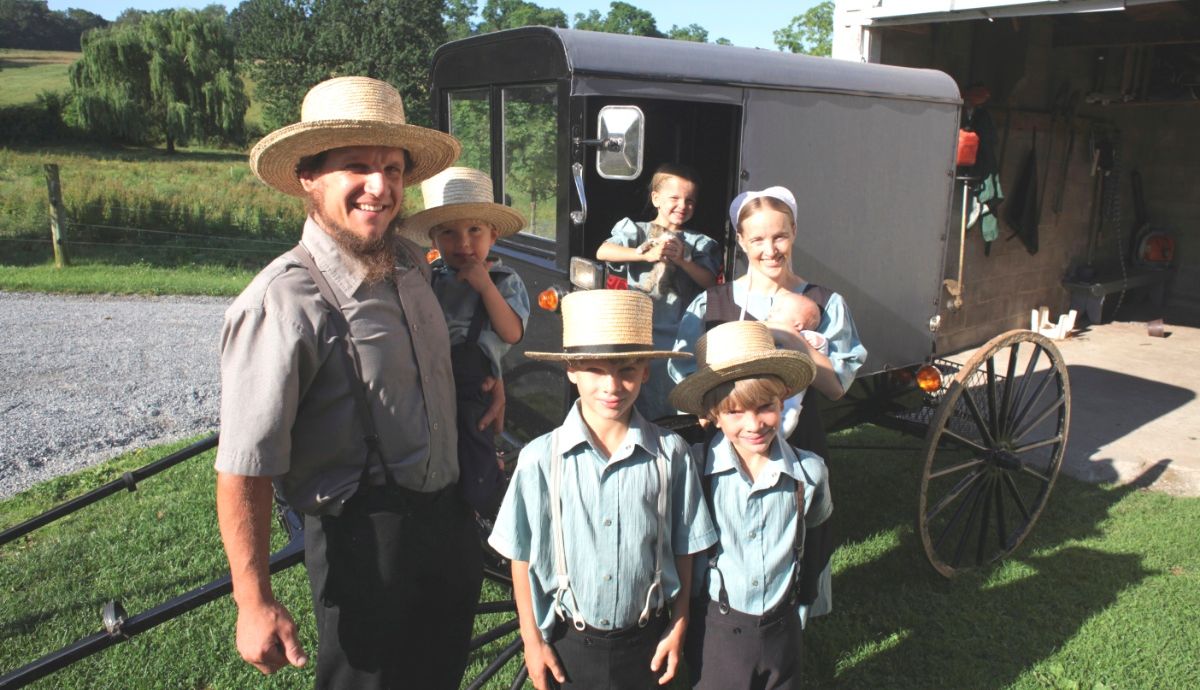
1028,76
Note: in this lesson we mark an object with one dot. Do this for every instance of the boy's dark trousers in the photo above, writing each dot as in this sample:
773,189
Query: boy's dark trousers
395,580
740,651
609,660
480,478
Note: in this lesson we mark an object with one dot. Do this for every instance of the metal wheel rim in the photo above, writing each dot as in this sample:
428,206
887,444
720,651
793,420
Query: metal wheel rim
993,452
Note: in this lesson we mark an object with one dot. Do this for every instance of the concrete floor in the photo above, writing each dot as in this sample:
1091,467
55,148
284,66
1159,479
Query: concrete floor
1135,408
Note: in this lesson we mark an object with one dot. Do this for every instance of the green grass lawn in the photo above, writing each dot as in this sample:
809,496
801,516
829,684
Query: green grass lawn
26,73
1103,594
141,221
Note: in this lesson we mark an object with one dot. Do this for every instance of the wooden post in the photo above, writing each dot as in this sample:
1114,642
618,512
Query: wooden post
58,216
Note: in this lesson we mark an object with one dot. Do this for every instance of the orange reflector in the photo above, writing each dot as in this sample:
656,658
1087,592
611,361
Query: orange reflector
548,299
929,379
432,255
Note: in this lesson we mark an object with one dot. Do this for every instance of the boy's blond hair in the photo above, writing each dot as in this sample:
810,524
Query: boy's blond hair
746,394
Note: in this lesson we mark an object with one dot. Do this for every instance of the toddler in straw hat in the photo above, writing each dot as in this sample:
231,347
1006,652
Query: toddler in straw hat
770,503
603,514
485,304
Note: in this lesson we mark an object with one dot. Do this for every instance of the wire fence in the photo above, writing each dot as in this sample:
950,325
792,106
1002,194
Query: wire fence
106,241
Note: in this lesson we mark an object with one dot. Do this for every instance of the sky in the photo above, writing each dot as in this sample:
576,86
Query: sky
751,28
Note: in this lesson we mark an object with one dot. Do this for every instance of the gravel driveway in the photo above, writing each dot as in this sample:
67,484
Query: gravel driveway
83,379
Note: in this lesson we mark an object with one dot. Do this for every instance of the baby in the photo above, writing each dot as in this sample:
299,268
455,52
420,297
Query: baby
795,316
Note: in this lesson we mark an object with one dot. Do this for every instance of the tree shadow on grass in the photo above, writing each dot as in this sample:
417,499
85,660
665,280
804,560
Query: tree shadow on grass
898,624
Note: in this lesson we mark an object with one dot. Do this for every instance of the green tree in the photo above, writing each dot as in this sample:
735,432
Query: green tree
290,45
30,24
691,32
810,33
511,14
622,18
169,76
458,18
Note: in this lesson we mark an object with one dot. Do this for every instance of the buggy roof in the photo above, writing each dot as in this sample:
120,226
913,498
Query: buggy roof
559,53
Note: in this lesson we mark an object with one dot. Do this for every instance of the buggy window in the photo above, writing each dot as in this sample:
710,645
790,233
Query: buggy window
530,137
470,118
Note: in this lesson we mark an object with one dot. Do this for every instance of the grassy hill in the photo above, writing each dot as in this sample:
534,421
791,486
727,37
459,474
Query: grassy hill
26,73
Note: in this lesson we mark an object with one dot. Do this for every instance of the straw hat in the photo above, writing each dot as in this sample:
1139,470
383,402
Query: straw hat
350,111
738,350
606,324
460,194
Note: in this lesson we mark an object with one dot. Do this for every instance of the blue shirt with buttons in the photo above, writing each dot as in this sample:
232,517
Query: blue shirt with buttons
756,524
609,517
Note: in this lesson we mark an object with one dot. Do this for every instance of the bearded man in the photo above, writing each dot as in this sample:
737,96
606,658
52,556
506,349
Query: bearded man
338,396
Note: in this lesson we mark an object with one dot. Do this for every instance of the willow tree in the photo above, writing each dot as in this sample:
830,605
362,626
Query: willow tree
169,76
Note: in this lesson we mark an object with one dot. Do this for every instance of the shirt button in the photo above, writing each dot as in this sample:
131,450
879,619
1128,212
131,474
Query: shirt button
753,534
608,578
754,582
607,522
435,426
604,622
414,327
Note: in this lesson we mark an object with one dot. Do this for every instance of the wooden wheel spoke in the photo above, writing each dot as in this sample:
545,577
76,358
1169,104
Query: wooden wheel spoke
1030,368
1039,444
993,413
959,438
1014,352
973,462
1016,438
1030,471
954,492
1013,491
981,547
984,431
1001,531
976,497
1037,395
967,500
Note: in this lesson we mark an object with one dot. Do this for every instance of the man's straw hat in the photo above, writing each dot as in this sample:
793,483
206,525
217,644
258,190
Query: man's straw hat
738,350
350,111
460,194
607,324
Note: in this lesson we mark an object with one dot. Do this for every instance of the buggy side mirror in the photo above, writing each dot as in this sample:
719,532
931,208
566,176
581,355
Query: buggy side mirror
621,129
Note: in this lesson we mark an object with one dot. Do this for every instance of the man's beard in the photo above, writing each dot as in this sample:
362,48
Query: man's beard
377,256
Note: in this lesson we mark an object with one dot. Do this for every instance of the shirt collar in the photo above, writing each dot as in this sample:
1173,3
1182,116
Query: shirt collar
343,271
782,460
641,434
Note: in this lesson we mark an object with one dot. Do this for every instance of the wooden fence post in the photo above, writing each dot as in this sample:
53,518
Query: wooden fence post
58,216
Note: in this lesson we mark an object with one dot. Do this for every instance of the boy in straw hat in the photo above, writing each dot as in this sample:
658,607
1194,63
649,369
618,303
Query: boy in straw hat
338,394
485,304
770,503
602,514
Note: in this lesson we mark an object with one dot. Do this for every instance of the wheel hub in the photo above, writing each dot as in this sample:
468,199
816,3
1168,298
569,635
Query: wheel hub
1004,459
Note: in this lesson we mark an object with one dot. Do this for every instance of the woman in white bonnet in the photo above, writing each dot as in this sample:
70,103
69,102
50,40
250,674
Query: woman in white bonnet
766,230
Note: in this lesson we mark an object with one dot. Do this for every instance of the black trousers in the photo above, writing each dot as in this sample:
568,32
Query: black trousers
609,660
739,651
480,479
395,580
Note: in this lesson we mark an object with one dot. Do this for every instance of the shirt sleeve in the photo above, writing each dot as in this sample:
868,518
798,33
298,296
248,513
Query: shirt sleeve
691,325
820,508
265,357
846,351
692,528
512,289
706,253
512,533
625,233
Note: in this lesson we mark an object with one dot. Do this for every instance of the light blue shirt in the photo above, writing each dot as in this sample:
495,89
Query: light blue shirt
756,523
610,520
458,300
846,351
669,307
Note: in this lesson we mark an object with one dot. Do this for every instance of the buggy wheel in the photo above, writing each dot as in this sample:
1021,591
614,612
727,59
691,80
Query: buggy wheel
993,451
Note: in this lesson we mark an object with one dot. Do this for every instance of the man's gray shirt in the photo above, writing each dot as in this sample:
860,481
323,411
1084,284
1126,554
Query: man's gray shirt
288,405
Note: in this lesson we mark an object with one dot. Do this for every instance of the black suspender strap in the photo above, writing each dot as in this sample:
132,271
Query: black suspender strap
353,363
